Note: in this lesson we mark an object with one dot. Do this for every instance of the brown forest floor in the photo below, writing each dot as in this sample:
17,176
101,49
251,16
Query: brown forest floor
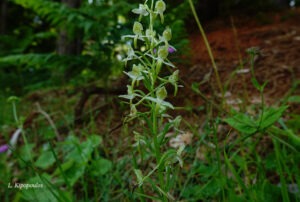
278,40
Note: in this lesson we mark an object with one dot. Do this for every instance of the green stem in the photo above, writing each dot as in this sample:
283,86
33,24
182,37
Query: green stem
284,189
216,142
15,113
157,147
208,48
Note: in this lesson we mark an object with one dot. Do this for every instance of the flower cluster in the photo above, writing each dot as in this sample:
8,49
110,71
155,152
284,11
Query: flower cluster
147,64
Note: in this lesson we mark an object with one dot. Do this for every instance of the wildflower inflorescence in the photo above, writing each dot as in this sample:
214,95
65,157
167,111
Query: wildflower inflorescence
147,65
147,54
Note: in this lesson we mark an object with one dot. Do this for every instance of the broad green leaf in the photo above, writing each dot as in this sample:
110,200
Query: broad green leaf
26,152
45,160
81,152
77,157
242,123
74,173
41,193
95,140
64,167
270,116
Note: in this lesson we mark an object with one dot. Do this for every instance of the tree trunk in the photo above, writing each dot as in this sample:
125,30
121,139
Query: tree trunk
65,45
3,16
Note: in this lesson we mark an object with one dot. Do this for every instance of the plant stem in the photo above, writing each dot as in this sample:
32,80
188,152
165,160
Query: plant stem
157,147
284,191
208,48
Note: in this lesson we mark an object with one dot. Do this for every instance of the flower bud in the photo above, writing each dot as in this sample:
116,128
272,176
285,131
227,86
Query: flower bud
137,28
167,34
174,77
173,80
160,7
150,33
161,93
163,52
136,73
133,110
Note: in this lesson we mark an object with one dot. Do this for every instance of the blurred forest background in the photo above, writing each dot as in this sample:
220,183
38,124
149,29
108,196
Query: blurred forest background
75,42
47,44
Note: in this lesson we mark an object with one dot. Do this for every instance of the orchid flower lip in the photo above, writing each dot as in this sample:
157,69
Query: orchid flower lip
171,49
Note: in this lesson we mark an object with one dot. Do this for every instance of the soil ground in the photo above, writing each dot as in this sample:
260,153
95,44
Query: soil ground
276,35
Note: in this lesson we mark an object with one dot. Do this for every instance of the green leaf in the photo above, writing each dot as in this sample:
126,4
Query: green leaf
270,116
195,87
255,83
74,173
147,81
95,140
294,99
242,123
168,157
100,167
77,157
139,176
26,152
64,167
41,193
45,160
81,152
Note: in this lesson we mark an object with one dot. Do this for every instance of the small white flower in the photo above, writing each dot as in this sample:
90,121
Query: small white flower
142,10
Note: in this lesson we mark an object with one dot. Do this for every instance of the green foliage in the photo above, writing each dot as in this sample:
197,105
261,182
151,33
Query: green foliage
45,160
30,50
98,41
247,125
